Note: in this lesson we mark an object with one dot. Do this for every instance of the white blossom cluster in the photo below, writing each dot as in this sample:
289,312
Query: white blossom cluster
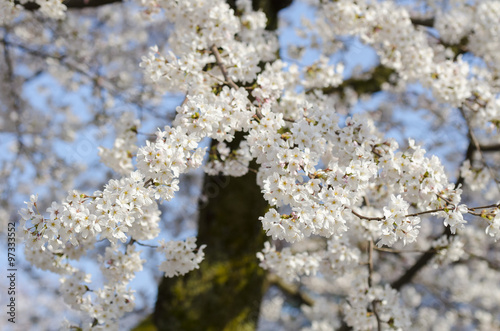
449,250
474,22
180,256
401,46
356,158
321,316
287,265
216,117
119,157
54,9
359,311
120,267
339,258
320,74
126,207
476,178
493,229
9,10
229,162
103,307
173,153
202,25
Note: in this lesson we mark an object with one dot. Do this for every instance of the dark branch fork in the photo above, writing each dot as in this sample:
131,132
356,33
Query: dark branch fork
222,68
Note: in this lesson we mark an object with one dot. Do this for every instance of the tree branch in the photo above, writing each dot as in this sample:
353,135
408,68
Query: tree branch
415,268
222,68
365,85
73,4
427,256
475,142
423,21
489,148
290,290
468,156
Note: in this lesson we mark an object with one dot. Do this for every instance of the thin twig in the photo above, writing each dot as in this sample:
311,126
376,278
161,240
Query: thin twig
133,241
368,218
145,245
222,68
486,207
148,182
63,61
370,262
425,258
408,215
215,77
477,146
290,289
397,251
449,206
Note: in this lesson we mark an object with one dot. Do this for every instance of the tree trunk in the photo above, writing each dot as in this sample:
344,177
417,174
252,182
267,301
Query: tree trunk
226,292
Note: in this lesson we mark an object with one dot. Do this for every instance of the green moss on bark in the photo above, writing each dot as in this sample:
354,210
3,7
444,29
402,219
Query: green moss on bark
225,293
